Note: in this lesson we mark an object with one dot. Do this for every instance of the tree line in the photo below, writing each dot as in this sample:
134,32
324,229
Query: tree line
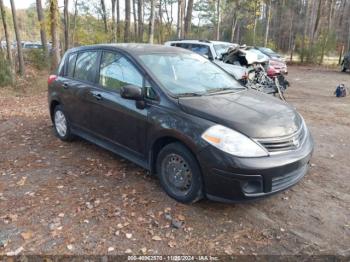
309,28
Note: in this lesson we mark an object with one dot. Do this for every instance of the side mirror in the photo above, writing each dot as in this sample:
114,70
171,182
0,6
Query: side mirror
131,92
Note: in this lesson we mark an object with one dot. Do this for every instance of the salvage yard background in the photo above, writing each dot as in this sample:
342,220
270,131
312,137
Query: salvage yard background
76,198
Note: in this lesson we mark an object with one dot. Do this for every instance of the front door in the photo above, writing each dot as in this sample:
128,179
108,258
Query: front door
115,118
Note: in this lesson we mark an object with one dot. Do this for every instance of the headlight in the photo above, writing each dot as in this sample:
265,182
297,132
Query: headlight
232,142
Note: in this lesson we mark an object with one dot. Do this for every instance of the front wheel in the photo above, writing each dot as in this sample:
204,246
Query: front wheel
179,173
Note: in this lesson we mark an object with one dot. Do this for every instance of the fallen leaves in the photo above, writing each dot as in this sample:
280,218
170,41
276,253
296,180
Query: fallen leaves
228,250
143,250
156,238
15,252
27,235
172,244
22,181
181,217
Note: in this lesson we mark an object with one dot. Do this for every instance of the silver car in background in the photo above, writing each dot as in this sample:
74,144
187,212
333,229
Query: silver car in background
213,50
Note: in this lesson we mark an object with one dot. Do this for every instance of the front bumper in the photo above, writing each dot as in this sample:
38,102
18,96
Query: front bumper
234,179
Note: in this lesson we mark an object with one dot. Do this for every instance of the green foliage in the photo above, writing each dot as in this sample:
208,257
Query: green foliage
36,58
5,71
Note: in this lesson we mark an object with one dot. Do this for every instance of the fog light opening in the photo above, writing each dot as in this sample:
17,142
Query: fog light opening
252,187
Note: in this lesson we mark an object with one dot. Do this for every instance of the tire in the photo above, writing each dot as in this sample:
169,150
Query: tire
61,124
179,173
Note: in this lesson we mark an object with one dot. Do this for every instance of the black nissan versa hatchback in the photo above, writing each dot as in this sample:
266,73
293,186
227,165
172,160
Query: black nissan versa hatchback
183,118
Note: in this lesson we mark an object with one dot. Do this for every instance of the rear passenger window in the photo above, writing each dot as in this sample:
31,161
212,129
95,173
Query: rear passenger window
60,70
85,66
116,71
71,64
200,49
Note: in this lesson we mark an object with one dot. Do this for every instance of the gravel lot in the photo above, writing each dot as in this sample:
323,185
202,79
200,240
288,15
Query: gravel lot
75,198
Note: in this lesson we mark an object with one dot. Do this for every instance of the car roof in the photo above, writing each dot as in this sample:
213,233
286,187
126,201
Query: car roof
205,42
133,48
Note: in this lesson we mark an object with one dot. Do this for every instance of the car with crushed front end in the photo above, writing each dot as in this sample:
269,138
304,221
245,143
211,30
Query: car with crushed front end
175,113
275,60
213,50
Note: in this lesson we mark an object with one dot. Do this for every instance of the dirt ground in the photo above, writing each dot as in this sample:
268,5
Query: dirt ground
76,198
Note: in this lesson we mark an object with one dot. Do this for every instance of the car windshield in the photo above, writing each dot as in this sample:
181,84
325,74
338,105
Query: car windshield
187,74
222,48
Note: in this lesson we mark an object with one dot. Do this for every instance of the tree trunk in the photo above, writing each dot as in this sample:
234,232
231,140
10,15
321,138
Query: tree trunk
66,25
114,35
233,26
140,19
18,39
238,35
40,13
151,23
104,15
255,21
135,19
180,18
315,27
268,18
188,18
329,22
127,21
160,12
302,55
74,21
54,33
118,20
8,44
218,15
348,38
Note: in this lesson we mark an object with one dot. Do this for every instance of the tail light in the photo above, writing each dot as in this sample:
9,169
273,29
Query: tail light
51,79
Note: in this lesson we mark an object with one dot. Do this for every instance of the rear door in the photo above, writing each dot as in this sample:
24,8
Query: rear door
80,79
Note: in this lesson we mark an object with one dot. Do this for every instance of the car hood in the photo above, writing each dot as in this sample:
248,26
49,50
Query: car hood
250,112
235,70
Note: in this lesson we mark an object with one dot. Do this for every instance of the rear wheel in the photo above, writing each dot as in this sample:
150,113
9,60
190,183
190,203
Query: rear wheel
61,124
179,173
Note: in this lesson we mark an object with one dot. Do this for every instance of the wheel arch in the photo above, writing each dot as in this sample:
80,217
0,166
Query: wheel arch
166,139
53,104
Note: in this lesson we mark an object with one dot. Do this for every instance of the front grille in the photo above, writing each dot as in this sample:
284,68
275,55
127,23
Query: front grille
281,182
282,144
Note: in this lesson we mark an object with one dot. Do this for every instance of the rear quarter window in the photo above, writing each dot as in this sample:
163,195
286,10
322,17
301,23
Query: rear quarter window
86,65
60,69
71,64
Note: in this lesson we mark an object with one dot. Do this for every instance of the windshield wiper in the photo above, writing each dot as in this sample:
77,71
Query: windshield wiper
189,94
216,90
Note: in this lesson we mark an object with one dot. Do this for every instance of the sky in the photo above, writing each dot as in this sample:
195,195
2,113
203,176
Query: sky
22,4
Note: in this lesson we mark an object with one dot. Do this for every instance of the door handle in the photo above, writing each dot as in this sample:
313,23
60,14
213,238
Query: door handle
97,96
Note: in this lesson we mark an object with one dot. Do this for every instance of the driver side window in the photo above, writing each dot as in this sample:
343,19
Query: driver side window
116,71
